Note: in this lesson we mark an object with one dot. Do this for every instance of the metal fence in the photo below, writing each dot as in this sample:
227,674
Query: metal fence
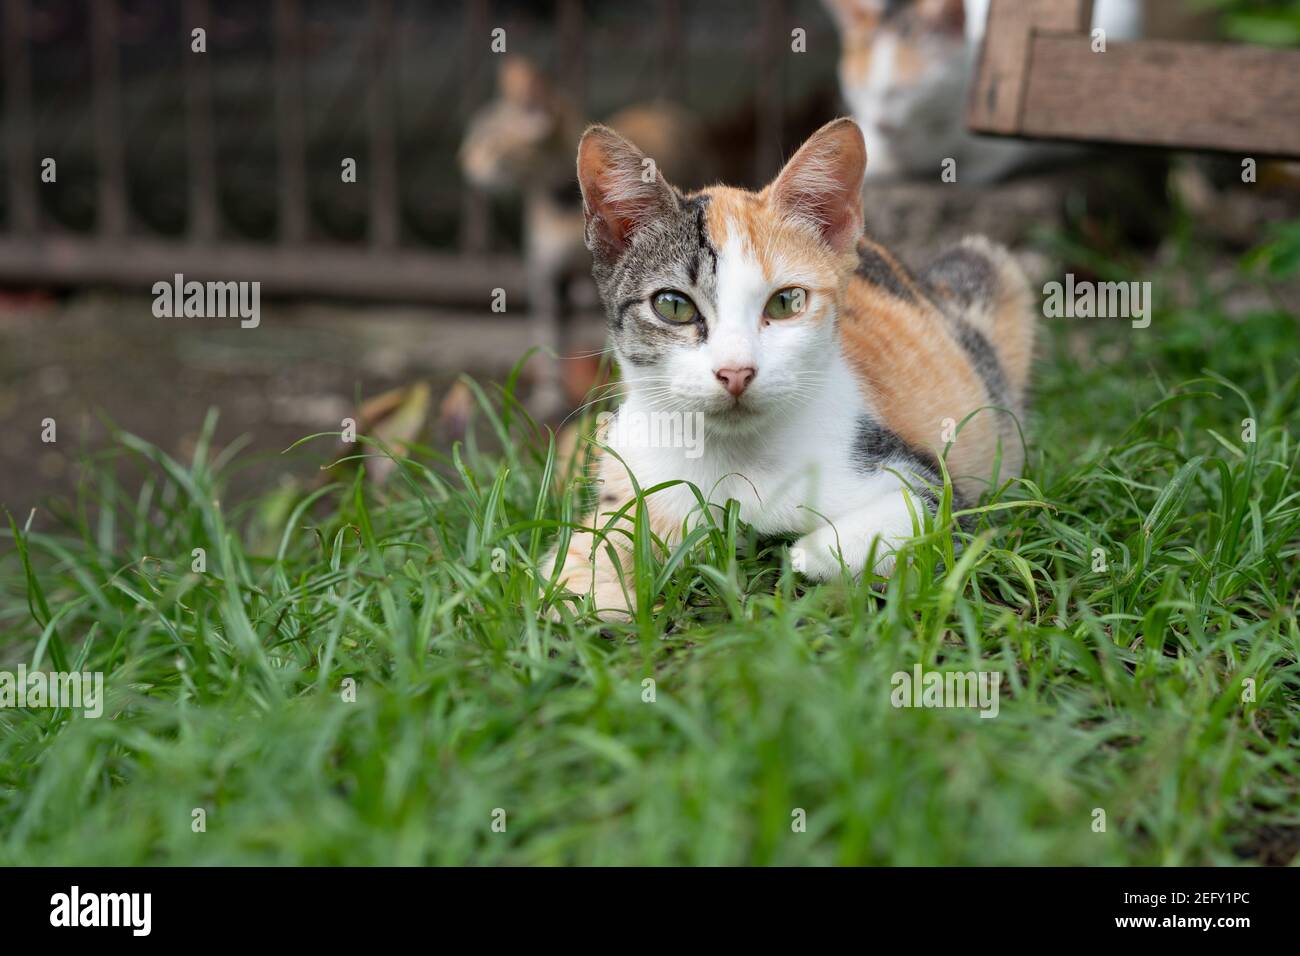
119,249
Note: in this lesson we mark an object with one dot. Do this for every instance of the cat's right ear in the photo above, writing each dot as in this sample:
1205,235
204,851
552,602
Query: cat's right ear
821,185
622,190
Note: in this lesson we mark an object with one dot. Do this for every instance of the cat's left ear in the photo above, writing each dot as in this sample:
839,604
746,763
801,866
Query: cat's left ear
621,190
822,183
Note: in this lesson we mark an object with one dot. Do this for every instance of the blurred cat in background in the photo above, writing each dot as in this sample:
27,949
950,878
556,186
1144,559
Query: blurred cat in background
521,143
905,70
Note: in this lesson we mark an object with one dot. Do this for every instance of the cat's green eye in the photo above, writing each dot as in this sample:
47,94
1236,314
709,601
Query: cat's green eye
674,307
786,303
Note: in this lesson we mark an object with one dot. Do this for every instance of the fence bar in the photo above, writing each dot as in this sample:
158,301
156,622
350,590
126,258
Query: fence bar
770,102
198,123
21,172
383,149
672,78
473,236
108,119
290,121
570,30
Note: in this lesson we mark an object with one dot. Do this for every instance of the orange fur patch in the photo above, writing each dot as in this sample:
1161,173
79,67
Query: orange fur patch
922,380
751,217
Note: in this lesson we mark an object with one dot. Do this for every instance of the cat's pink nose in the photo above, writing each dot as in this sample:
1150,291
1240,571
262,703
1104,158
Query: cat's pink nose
735,380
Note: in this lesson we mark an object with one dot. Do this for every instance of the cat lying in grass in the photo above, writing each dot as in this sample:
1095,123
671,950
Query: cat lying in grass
826,379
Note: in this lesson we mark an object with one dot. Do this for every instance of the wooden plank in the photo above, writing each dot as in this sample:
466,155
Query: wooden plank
1234,98
24,217
997,95
312,270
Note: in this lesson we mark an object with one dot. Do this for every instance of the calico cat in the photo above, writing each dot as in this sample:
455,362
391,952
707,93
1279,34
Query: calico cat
521,143
905,70
825,378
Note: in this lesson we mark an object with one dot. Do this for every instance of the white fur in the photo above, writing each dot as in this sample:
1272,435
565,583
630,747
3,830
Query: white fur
788,459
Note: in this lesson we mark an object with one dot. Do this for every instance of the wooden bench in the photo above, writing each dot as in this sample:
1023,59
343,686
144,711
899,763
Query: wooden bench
1039,78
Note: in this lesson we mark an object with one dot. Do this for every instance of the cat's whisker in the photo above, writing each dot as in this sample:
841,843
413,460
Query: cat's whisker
648,394
577,412
607,350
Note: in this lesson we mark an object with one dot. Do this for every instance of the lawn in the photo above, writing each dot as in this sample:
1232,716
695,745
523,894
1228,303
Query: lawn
367,675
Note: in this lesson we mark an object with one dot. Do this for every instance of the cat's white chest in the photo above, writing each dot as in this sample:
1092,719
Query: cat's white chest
777,488
782,479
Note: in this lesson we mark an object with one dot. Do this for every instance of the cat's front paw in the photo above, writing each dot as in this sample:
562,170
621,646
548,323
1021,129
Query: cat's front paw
822,555
609,601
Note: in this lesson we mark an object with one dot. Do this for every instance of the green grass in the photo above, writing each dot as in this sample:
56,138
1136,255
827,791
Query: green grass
1122,689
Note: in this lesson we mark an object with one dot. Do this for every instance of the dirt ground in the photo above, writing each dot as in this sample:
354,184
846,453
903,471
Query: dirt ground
96,360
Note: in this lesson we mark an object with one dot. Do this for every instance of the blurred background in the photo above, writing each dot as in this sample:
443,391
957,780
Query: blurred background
225,164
